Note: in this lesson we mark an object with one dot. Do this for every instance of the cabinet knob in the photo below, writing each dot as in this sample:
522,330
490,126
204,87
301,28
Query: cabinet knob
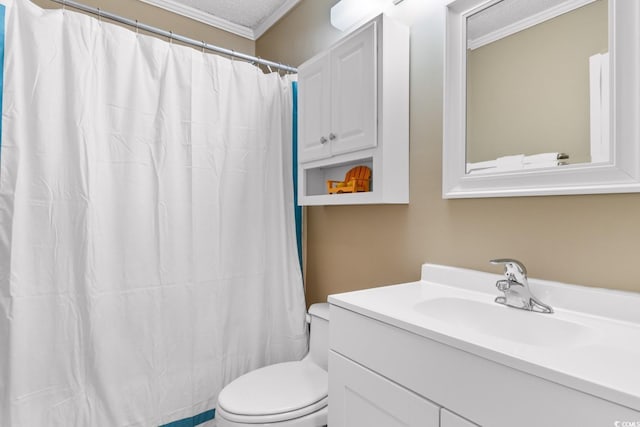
332,136
323,140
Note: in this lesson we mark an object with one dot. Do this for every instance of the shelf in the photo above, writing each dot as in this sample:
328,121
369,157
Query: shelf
368,198
315,179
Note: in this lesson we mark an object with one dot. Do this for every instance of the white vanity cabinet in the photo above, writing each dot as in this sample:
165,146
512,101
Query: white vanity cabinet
382,375
353,110
362,398
449,419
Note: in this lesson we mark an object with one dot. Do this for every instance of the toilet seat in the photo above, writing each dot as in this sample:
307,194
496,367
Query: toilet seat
274,418
276,393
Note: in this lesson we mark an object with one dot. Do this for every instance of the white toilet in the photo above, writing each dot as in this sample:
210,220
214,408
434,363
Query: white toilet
290,394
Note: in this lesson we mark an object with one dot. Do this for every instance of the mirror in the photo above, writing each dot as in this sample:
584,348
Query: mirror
529,84
540,98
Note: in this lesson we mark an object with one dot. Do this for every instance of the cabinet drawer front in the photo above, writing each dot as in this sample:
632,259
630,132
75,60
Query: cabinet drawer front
447,419
359,397
478,389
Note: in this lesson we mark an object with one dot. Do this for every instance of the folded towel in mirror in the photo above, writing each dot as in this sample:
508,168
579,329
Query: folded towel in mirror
518,161
510,162
543,158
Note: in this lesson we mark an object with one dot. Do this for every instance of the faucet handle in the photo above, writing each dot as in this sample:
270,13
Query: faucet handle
510,264
520,296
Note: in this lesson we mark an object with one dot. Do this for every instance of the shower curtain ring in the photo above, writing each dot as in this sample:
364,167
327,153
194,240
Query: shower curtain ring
99,15
170,36
204,45
137,28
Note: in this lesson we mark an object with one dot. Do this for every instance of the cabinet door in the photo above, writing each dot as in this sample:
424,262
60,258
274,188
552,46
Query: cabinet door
313,105
354,93
359,397
448,419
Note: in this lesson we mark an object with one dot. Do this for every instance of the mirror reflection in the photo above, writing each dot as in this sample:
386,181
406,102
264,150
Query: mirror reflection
537,85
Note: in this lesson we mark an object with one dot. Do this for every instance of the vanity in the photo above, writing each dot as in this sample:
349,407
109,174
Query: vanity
442,352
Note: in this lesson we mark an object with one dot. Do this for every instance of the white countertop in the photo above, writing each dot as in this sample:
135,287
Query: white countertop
591,342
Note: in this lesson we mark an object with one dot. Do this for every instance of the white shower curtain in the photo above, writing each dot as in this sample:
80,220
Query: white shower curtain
147,246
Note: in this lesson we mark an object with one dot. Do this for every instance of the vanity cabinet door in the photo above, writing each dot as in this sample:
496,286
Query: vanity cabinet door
448,419
359,397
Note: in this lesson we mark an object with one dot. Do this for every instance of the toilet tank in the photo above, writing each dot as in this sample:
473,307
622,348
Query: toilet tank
319,335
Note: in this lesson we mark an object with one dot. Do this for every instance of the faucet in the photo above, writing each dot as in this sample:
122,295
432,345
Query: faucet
516,288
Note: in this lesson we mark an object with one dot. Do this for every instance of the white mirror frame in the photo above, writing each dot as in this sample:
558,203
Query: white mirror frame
621,175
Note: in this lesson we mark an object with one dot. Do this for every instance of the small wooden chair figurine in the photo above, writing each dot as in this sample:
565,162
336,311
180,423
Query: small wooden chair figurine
356,179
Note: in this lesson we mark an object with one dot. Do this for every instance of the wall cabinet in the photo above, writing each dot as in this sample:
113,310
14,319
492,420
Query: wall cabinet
338,99
354,110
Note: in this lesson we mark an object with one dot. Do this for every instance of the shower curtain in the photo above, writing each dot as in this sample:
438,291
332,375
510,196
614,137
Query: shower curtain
147,245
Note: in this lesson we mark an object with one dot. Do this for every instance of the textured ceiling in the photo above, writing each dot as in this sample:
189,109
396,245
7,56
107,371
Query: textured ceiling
247,18
248,13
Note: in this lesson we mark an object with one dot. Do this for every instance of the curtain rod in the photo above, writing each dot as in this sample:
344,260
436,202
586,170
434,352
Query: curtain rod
171,36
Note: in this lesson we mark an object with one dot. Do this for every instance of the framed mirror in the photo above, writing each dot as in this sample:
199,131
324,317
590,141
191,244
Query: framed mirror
541,98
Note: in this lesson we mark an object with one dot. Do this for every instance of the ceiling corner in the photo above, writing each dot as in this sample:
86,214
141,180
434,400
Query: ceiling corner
273,18
206,18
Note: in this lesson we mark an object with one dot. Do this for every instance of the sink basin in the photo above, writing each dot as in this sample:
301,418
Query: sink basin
506,323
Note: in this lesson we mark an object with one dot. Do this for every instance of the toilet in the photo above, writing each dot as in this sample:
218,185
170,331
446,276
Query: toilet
290,394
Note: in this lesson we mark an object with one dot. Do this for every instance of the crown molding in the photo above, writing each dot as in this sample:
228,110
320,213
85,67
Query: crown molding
205,18
223,24
527,23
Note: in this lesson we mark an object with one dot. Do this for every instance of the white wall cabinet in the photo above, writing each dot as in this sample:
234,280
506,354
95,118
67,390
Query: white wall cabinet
338,98
354,110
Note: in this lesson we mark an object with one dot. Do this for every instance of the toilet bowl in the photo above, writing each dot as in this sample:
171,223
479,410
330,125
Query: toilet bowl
290,394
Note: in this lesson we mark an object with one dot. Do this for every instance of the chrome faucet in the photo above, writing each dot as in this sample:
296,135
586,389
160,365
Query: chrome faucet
516,288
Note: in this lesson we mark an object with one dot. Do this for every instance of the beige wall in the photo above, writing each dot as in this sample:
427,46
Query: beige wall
157,17
590,240
529,93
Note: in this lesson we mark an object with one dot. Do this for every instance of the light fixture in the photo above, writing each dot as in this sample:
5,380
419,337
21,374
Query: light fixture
347,13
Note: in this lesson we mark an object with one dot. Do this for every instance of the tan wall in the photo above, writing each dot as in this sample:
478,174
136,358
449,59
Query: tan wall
160,18
589,240
529,93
